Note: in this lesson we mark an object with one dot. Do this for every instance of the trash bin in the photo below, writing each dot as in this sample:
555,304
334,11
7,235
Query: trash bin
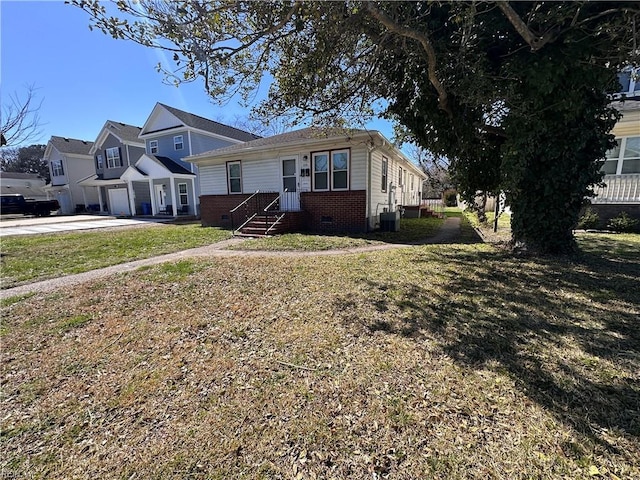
146,208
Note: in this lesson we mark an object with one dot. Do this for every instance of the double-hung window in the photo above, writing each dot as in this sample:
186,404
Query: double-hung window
153,147
113,157
340,170
331,170
56,168
234,177
631,157
178,142
623,158
385,173
99,162
321,171
182,192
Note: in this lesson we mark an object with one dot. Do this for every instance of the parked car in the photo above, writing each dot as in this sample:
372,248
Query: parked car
17,204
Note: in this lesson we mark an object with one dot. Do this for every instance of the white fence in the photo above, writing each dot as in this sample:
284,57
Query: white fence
618,189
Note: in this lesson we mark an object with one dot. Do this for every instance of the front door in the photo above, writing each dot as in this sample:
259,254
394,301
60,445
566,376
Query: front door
161,198
290,196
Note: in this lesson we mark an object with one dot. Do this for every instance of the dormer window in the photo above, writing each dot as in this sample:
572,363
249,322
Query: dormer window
178,143
153,147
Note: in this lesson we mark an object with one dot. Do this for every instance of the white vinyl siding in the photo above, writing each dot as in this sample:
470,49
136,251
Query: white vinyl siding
213,180
263,175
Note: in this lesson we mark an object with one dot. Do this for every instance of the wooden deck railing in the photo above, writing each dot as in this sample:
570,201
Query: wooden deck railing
619,189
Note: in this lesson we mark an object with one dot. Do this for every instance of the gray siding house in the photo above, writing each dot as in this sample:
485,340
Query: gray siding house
69,161
173,134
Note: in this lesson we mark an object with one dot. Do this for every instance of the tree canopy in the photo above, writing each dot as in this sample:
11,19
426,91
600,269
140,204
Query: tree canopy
19,121
27,159
514,94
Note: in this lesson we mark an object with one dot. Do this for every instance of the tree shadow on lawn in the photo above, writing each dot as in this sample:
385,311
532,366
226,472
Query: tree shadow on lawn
566,331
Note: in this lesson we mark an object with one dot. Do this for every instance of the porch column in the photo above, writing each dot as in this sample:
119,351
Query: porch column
84,197
132,198
154,209
100,199
193,191
174,206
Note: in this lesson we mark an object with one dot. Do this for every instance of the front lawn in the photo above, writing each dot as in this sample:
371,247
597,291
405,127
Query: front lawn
438,361
29,258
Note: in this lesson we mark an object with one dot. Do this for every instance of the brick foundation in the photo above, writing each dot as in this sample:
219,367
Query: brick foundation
329,212
334,212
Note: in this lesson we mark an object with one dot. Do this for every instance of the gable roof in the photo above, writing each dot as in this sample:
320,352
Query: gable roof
171,165
126,133
296,136
71,145
200,123
20,175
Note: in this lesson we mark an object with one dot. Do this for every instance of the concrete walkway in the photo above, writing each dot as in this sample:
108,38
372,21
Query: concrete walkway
448,233
32,226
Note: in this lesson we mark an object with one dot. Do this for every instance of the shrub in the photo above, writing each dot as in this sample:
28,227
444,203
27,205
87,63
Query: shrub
589,219
622,223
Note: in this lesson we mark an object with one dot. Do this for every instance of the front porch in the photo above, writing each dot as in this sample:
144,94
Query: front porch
618,189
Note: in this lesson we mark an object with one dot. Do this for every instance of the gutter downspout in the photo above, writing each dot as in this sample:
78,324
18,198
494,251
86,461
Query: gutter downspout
369,192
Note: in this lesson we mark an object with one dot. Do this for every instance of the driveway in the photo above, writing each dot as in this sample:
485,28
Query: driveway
32,226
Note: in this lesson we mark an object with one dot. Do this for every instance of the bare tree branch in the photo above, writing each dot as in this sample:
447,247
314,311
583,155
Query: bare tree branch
20,122
425,42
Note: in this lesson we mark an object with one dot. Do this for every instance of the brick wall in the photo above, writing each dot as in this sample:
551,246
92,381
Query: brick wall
323,211
335,211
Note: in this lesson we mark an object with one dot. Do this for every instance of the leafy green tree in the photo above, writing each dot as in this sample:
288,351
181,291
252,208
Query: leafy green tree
514,94
25,160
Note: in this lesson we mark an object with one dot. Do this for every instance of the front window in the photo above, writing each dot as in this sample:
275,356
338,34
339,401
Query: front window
99,162
56,168
385,173
153,147
321,171
113,158
182,192
178,143
631,157
234,177
340,170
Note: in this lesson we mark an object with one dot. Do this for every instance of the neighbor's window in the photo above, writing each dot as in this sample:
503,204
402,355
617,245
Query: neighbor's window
385,173
99,162
178,143
234,177
340,170
56,168
411,183
153,147
113,158
400,177
182,191
321,171
631,157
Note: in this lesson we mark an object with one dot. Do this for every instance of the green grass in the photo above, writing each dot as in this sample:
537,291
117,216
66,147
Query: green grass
412,230
435,361
31,258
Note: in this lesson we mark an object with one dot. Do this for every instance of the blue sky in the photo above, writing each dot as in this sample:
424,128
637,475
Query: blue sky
84,77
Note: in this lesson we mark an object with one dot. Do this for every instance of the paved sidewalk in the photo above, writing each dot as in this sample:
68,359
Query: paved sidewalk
32,226
448,233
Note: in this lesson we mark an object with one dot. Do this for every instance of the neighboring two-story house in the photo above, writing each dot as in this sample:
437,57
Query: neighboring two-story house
116,149
69,160
621,189
170,135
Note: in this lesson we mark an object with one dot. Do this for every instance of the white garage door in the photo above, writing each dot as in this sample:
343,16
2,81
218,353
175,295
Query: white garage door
119,202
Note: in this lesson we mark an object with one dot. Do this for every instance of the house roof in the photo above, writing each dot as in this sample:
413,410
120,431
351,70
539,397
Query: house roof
20,175
201,123
171,165
71,145
296,136
128,133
